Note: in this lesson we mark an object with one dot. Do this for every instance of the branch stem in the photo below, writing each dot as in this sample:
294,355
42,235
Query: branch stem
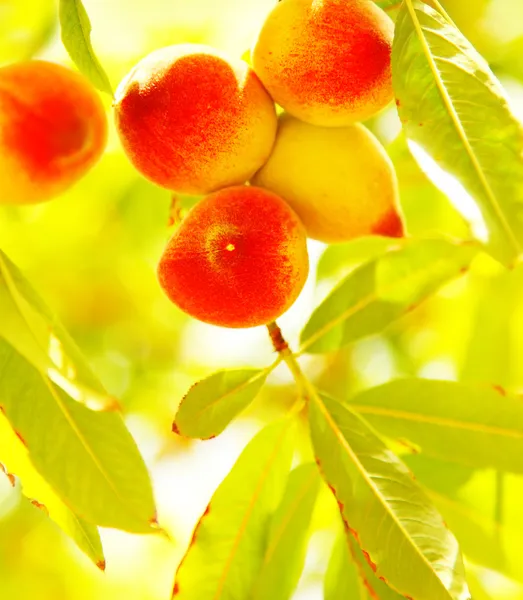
306,389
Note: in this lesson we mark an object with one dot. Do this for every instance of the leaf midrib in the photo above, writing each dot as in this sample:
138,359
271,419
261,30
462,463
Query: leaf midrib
77,7
354,458
365,301
434,420
230,392
460,129
71,422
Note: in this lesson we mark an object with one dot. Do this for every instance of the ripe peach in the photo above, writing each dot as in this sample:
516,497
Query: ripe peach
239,259
52,130
326,62
339,180
194,121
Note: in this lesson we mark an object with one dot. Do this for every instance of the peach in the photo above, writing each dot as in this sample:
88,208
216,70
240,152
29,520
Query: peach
339,180
193,121
52,130
238,259
326,62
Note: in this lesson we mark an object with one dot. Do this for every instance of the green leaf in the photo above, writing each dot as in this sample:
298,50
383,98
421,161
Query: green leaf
349,575
476,587
386,4
493,329
342,580
76,37
441,476
89,458
15,458
342,258
494,546
402,535
473,425
211,404
383,290
227,549
288,535
455,110
28,326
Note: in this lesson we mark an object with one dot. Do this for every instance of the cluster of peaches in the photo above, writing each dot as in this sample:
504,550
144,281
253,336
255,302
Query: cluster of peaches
195,121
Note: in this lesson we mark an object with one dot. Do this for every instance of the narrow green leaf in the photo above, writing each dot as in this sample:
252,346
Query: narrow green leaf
402,535
89,458
349,571
455,110
15,458
211,404
28,326
473,425
342,581
76,37
379,292
227,549
287,541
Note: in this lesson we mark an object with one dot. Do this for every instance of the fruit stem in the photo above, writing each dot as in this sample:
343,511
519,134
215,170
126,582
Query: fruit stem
305,387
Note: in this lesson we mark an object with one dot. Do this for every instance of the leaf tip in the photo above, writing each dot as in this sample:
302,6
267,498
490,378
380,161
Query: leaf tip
101,565
40,506
499,389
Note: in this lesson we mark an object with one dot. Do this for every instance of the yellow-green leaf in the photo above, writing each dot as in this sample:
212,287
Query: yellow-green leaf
342,580
350,575
377,293
15,457
227,549
401,533
76,37
455,111
343,258
387,4
25,26
288,535
28,325
88,458
211,404
479,426
492,545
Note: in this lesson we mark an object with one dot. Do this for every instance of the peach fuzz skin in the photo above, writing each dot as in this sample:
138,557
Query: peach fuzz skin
327,62
194,121
339,180
238,259
53,129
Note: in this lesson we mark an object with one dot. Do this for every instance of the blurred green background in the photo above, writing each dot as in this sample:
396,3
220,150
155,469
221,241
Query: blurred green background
92,254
